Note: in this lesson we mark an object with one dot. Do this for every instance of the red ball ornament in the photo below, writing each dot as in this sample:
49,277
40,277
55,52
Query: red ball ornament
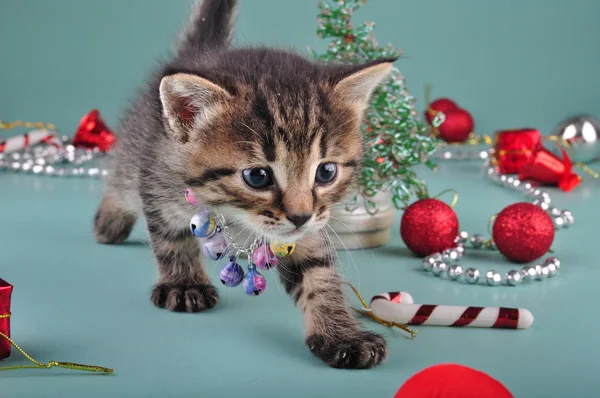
429,226
523,232
439,105
452,381
457,126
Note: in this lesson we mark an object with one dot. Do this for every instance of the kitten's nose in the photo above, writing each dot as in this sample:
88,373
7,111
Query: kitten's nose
299,219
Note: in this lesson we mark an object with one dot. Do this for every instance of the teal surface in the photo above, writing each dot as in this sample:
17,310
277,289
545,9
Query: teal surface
78,301
511,63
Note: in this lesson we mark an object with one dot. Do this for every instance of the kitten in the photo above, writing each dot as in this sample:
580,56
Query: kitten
265,137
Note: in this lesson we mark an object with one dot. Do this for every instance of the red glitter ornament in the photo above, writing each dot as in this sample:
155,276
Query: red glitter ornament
429,226
439,105
457,126
523,232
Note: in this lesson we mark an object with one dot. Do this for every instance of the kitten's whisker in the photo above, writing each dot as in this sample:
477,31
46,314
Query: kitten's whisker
348,251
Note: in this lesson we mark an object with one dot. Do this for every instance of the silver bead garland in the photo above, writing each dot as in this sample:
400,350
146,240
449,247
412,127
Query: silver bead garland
436,264
66,161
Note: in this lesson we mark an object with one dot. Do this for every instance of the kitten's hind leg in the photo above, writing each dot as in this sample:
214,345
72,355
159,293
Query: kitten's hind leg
113,223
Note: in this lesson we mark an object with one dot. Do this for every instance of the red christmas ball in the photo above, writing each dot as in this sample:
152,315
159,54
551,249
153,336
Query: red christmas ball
439,105
457,126
429,226
523,232
452,380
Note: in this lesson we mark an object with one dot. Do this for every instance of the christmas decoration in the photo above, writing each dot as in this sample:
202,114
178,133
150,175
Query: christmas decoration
396,139
5,293
523,232
20,142
581,137
93,133
513,149
452,381
441,265
218,242
546,168
428,226
40,152
447,315
456,127
443,105
6,342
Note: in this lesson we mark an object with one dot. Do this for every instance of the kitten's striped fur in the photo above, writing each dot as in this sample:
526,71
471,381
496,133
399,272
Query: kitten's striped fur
207,115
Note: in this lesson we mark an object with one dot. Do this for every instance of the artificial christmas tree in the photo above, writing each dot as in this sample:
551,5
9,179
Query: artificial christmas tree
396,139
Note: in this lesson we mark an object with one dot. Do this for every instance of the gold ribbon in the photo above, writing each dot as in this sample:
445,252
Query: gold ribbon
20,123
368,312
51,364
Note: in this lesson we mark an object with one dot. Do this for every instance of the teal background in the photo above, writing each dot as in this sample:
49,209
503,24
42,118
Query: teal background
511,63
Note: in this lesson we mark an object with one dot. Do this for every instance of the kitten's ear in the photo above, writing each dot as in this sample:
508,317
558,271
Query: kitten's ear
190,101
357,87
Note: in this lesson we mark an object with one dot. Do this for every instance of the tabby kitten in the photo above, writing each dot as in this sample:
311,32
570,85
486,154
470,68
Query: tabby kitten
267,138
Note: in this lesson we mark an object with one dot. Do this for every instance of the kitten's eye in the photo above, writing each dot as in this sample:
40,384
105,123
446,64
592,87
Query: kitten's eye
326,173
257,178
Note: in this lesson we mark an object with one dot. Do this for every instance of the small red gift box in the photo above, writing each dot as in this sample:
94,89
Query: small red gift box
515,148
5,292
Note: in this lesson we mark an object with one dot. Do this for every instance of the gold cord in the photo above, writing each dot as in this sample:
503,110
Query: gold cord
367,312
51,364
454,199
20,123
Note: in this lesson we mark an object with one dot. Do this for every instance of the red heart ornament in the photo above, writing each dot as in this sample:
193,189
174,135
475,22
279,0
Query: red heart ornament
439,105
93,133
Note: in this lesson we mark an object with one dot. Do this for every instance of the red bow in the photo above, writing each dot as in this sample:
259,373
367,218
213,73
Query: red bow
93,133
521,152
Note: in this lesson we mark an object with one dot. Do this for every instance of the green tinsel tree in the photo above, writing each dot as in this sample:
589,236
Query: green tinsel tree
396,139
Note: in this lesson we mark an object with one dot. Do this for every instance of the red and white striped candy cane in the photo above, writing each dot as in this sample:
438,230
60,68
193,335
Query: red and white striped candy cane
384,307
22,141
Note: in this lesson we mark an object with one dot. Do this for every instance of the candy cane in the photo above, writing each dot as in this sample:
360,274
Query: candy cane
386,307
23,141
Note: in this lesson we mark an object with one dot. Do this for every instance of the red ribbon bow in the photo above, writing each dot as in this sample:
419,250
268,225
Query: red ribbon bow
93,133
521,152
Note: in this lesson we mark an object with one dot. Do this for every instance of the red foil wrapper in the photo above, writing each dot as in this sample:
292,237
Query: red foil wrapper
5,292
547,168
515,148
93,133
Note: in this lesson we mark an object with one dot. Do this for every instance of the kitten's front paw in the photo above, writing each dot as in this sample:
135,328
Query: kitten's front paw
185,298
359,350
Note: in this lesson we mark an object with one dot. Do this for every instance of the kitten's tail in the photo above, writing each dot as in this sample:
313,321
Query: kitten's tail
210,26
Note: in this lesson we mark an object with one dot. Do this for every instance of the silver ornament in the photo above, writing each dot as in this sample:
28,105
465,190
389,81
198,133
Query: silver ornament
428,262
580,134
490,245
493,278
454,271
514,277
472,275
529,274
559,222
554,212
568,217
438,267
460,251
477,240
462,237
552,260
450,254
552,270
542,204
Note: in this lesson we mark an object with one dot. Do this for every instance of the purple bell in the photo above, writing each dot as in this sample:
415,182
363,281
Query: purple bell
215,247
232,273
254,283
203,225
263,257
